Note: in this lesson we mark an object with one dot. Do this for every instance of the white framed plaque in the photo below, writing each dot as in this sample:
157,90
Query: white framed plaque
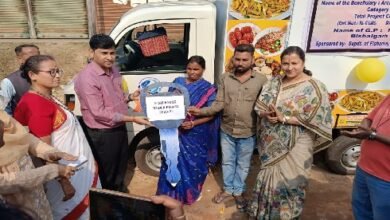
160,108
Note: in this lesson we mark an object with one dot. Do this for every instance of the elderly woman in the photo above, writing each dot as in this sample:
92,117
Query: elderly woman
21,183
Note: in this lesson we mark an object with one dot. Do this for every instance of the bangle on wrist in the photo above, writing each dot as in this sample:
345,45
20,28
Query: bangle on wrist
192,124
285,119
129,99
180,217
372,135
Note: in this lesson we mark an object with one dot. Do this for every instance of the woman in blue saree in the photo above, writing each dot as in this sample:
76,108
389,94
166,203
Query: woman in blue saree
198,138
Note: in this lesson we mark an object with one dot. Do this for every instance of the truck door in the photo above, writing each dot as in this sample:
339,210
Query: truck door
138,70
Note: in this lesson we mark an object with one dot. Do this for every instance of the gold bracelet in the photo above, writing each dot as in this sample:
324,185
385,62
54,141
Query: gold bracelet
287,119
180,217
129,98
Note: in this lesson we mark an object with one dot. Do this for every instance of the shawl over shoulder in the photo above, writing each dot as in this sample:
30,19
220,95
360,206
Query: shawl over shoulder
307,101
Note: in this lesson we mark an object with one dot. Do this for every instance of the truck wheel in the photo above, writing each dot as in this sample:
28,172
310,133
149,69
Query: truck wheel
148,157
343,154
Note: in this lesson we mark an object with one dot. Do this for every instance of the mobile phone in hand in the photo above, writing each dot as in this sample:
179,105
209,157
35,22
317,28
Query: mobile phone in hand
108,204
271,109
78,164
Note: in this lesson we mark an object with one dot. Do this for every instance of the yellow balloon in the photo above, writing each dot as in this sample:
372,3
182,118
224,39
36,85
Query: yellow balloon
370,70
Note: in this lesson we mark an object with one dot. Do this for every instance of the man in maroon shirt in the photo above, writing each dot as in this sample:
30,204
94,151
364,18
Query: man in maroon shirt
105,112
371,187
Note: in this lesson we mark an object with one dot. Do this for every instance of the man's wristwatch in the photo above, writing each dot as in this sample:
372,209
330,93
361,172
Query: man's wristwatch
372,135
129,99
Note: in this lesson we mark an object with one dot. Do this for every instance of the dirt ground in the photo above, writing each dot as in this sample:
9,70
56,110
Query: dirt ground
328,195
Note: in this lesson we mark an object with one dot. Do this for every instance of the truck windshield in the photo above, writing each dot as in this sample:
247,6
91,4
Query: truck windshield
154,48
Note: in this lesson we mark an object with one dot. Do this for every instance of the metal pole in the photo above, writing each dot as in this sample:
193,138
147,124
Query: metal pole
91,8
33,33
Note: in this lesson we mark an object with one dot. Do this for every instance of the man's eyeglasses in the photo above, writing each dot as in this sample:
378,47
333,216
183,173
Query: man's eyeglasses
53,72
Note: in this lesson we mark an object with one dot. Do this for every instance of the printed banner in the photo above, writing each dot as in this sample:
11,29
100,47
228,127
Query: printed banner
352,106
268,38
356,101
264,9
258,23
350,26
348,121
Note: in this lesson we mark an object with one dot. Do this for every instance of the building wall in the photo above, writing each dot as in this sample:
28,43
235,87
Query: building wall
71,56
108,14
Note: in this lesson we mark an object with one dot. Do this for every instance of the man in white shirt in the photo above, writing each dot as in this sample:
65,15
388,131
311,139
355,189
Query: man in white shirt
14,86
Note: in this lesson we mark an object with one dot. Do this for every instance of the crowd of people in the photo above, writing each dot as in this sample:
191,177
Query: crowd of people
282,117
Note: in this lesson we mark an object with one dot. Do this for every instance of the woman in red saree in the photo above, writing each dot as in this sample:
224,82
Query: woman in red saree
48,119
